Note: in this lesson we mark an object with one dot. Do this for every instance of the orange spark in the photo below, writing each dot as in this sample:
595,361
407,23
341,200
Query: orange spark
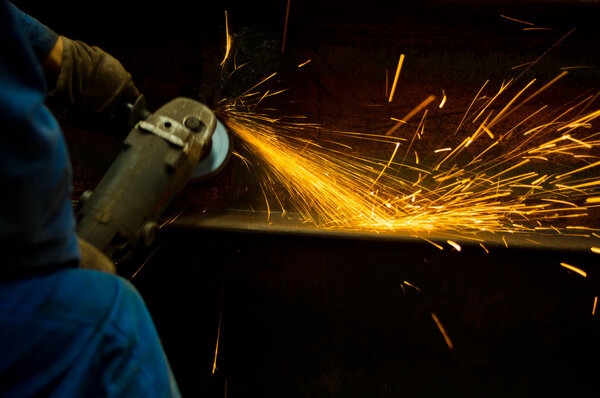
488,192
574,269
227,40
577,67
386,82
517,20
539,29
454,245
285,26
387,165
443,331
398,68
595,304
432,243
413,286
596,250
443,100
304,63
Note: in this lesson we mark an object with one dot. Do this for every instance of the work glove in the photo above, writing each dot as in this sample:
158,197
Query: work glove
92,87
92,258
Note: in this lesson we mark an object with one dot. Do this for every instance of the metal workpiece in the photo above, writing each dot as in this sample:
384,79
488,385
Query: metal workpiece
155,162
292,224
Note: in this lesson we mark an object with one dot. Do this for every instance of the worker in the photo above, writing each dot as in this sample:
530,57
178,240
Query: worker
65,331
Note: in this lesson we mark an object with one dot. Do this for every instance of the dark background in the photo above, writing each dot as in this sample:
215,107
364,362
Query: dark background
311,316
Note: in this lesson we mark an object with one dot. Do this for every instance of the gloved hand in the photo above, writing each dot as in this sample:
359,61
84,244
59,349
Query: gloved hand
92,258
91,84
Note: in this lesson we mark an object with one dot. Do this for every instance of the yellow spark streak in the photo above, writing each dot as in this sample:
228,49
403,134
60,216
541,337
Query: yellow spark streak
539,29
454,245
503,87
517,20
398,68
469,108
227,41
387,165
214,368
540,180
432,243
484,248
521,65
304,63
574,269
333,189
487,130
420,126
584,185
443,100
507,106
580,121
557,230
560,201
535,94
546,52
410,114
559,177
584,144
595,304
595,250
386,82
411,285
511,168
443,331
595,199
146,261
582,227
285,26
577,67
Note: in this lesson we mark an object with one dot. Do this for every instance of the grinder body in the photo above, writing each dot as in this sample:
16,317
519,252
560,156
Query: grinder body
156,161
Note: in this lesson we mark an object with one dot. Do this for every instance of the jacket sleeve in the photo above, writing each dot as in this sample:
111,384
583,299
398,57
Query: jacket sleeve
39,36
37,226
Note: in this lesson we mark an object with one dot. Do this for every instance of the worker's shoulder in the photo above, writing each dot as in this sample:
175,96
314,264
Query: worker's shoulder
72,295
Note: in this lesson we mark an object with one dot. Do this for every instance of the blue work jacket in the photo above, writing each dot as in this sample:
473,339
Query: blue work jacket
64,331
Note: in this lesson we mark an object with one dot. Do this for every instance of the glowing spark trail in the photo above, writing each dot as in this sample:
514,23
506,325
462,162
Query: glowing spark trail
400,61
441,105
411,285
485,182
443,331
285,27
227,41
517,20
454,245
574,269
410,114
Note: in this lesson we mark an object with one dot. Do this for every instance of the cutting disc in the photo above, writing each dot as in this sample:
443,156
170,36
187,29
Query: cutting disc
217,157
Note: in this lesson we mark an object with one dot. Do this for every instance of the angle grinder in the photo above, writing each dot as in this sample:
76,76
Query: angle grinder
182,141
